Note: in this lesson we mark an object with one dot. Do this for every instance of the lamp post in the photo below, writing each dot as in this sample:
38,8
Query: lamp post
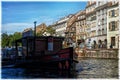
34,36
35,28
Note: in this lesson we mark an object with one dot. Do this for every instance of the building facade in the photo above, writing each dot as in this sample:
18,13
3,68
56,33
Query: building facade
91,22
101,13
113,25
97,24
81,26
60,26
70,32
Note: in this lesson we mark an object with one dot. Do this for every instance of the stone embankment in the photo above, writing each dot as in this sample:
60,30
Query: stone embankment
97,53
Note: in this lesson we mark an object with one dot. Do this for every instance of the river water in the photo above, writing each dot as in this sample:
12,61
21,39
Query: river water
86,68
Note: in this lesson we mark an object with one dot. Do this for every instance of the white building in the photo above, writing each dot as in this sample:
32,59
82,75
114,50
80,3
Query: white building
91,22
113,25
101,13
60,26
81,26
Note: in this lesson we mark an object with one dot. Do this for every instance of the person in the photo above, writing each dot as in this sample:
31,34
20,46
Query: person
111,46
74,45
89,45
82,45
94,44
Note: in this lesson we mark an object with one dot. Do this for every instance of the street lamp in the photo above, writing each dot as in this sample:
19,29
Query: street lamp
34,36
35,28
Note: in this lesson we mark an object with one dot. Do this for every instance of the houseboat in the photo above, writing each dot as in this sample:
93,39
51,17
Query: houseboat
44,52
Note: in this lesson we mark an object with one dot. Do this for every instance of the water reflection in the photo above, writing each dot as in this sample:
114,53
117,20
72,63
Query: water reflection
20,73
86,68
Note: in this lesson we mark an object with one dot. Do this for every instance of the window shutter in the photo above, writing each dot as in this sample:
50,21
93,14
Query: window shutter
110,26
115,25
115,13
109,13
118,24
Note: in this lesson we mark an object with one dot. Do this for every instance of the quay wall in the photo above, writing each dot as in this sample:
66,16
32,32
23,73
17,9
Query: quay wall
97,53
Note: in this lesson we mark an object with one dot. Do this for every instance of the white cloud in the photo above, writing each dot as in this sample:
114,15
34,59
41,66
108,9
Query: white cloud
10,28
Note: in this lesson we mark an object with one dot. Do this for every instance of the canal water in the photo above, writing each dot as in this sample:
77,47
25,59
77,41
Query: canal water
86,68
97,68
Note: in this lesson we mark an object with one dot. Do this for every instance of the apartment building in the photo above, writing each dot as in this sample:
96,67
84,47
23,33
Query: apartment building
60,26
101,13
81,26
94,24
70,32
40,29
27,32
113,25
91,22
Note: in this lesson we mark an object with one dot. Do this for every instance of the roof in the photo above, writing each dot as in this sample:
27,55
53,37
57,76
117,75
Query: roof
38,37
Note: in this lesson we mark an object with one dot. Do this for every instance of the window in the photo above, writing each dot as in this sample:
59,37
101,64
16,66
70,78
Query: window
102,31
72,34
50,44
113,41
113,13
113,26
73,29
99,32
102,21
98,3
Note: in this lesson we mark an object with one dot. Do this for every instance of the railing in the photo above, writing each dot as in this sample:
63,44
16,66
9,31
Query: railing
97,53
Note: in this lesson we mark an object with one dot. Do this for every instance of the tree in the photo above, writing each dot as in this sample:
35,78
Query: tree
50,30
40,33
5,39
17,35
9,40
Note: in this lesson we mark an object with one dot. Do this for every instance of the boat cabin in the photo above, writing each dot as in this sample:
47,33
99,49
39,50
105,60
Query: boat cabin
38,46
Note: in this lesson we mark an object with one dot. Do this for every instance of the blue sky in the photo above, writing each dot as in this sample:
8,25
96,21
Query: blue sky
17,16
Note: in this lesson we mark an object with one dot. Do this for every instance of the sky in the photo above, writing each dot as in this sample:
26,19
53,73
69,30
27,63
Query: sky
17,16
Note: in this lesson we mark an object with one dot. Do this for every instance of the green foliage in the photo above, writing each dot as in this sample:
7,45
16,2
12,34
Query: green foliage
50,30
5,40
40,33
9,40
